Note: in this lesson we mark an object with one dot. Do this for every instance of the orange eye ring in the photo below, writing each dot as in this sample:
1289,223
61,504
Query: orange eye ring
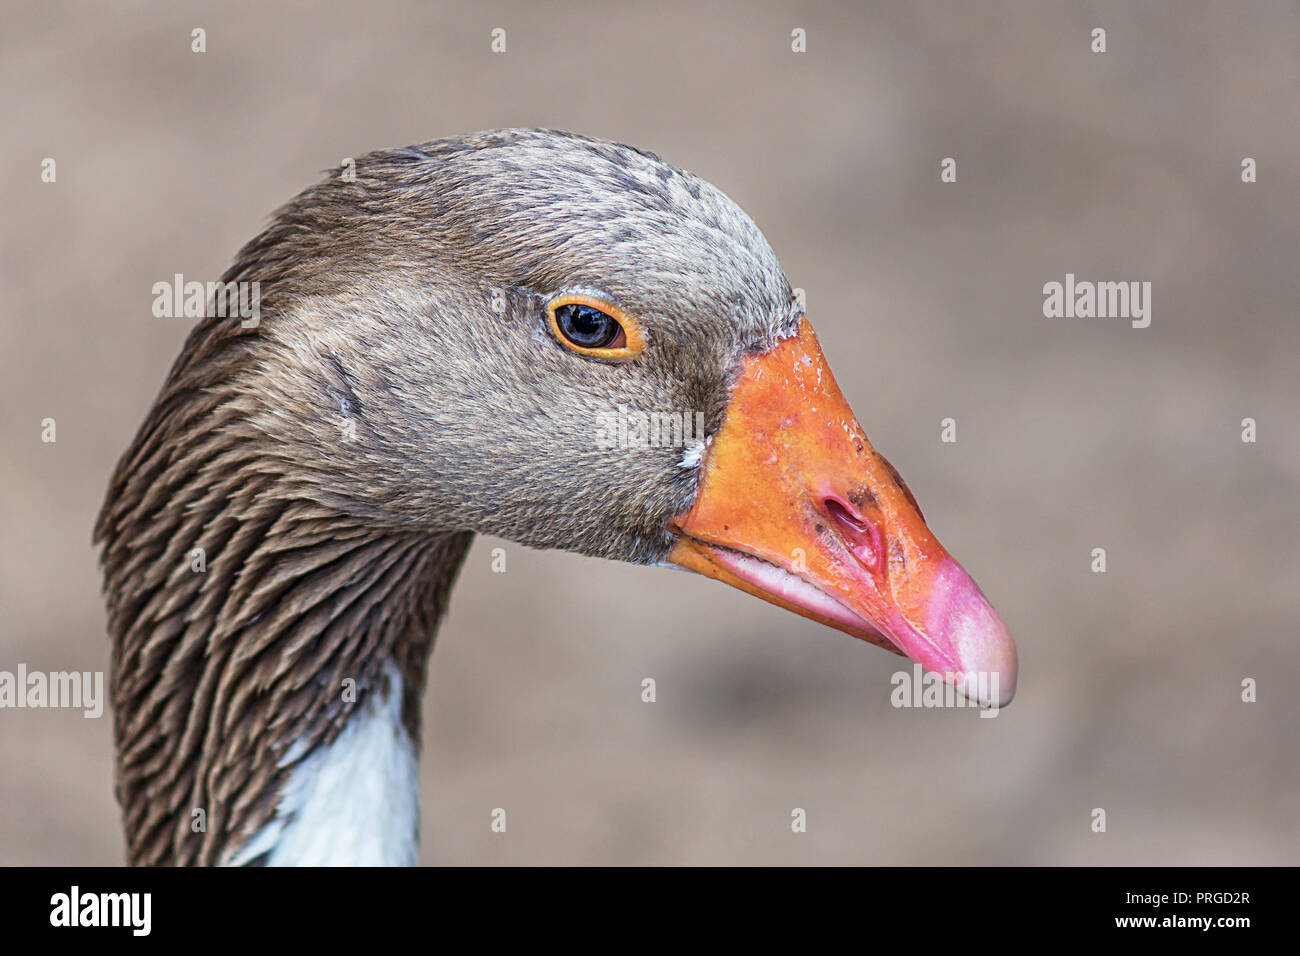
629,342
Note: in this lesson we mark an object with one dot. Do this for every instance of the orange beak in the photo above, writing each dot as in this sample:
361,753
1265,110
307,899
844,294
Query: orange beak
797,508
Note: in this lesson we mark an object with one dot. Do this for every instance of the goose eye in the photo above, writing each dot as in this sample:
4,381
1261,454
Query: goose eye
592,327
586,327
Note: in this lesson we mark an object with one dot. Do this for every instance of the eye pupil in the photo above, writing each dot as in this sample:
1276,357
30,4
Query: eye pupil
585,326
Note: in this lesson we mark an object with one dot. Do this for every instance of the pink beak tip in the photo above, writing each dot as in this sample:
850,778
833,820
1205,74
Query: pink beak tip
960,620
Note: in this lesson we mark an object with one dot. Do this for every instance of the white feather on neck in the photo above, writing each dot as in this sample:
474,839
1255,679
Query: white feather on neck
353,803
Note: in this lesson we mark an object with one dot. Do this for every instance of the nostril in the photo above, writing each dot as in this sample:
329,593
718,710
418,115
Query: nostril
844,513
860,536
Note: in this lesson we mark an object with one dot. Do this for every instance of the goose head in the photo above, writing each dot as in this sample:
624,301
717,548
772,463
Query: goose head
557,340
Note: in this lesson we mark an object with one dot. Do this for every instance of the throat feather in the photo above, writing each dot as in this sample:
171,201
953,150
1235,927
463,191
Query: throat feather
352,802
230,686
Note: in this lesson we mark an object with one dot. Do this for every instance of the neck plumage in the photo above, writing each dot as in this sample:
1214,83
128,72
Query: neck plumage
345,782
268,664
270,623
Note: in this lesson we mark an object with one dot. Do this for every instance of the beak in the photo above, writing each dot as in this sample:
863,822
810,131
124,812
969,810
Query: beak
797,508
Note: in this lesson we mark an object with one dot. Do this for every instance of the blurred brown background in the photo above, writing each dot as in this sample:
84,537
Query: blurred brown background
1072,434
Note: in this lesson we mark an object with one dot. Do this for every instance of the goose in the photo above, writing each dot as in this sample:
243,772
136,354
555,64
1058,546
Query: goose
442,332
